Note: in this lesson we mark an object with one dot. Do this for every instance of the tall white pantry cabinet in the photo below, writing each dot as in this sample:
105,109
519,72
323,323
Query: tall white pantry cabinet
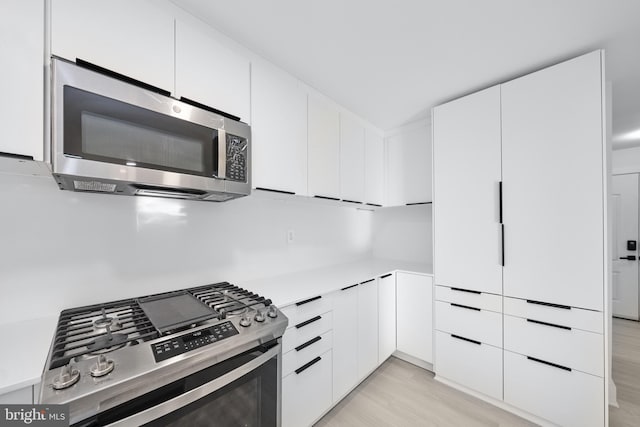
520,243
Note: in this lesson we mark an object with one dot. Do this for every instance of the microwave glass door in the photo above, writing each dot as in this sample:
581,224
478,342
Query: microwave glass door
108,130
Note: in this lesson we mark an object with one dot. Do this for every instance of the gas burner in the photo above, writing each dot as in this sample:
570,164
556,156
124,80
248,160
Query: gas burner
102,323
107,343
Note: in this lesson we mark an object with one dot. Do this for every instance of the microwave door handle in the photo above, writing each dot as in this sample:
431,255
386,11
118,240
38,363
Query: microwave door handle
222,154
185,399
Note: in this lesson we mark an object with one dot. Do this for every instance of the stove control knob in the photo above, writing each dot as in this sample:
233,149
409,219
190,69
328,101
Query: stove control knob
245,320
102,367
260,316
68,376
273,312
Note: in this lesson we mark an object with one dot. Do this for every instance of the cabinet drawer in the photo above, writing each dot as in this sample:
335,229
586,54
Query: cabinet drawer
578,318
479,325
304,331
307,394
572,348
567,398
475,366
477,299
307,309
305,352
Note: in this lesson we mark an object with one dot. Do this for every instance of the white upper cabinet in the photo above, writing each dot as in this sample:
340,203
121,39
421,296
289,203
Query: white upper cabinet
210,73
373,167
409,165
278,129
324,148
134,38
552,165
22,57
352,159
467,173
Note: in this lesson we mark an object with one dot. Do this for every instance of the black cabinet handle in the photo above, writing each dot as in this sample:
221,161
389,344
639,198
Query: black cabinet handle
553,325
502,241
327,198
464,306
273,190
307,322
629,257
466,290
548,304
466,339
349,287
308,300
308,365
544,362
500,200
386,275
308,343
367,281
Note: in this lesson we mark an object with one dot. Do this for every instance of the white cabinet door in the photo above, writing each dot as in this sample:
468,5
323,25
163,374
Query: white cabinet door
278,130
467,173
367,327
552,167
414,293
22,57
22,396
324,148
134,38
386,316
409,165
306,394
624,293
351,159
210,73
345,341
373,167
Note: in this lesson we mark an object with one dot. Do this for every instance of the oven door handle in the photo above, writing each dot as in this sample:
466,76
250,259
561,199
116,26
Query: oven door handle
191,396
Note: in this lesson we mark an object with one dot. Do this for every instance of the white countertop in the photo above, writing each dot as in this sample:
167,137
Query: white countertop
290,288
22,364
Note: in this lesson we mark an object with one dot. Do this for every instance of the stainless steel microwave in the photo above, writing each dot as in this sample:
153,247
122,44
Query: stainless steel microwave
112,136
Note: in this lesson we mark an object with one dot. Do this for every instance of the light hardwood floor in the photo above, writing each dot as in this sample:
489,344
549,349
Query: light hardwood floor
400,394
626,373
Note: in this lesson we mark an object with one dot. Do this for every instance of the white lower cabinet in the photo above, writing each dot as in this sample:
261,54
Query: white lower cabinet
345,343
470,363
306,392
414,296
367,327
564,397
468,347
386,316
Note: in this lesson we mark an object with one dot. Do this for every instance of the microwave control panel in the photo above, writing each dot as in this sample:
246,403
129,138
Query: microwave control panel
236,158
172,347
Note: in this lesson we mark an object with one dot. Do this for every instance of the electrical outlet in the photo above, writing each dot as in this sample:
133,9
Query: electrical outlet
291,235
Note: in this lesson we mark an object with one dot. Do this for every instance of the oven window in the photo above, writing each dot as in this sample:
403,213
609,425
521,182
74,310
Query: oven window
107,130
250,400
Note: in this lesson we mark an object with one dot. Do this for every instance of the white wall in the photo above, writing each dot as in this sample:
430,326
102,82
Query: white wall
61,249
403,233
625,160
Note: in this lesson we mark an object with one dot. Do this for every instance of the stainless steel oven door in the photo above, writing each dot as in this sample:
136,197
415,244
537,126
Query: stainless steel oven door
242,391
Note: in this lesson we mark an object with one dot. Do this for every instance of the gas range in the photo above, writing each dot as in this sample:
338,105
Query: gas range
104,356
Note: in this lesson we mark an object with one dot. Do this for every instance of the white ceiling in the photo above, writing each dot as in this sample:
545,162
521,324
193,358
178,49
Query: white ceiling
391,61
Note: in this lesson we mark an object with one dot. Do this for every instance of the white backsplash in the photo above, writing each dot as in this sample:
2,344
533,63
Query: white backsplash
62,249
404,233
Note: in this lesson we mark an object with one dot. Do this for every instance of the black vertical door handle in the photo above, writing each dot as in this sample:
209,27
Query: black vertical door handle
502,238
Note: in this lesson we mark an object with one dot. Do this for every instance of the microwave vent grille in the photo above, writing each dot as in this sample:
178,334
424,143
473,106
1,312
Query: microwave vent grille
103,187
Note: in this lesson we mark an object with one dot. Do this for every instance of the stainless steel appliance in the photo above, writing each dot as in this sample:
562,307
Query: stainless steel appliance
203,356
110,135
